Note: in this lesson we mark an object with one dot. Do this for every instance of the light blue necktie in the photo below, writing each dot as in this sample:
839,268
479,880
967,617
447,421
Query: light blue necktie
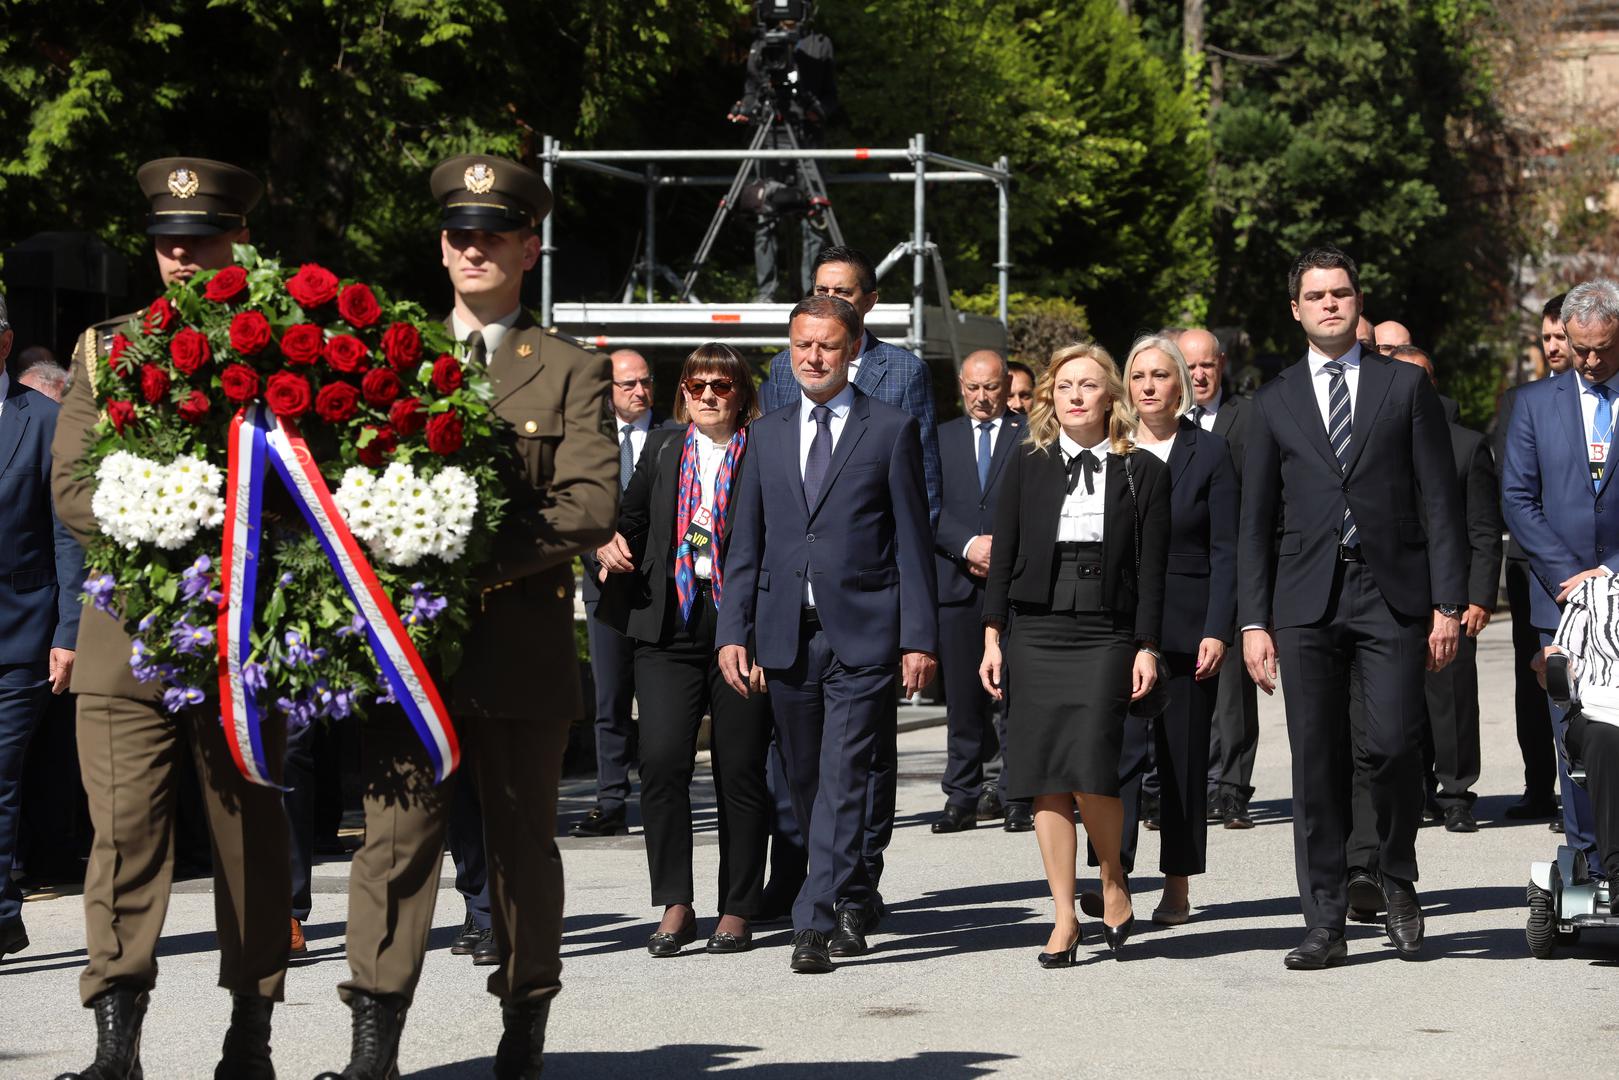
986,450
1601,428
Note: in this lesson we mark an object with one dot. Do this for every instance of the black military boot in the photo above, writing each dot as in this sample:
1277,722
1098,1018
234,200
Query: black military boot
119,1014
247,1041
377,1024
522,1046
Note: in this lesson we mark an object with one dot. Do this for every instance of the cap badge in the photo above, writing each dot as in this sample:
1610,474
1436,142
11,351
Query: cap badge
480,179
183,183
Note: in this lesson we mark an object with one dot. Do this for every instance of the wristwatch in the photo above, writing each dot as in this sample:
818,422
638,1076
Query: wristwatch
1449,611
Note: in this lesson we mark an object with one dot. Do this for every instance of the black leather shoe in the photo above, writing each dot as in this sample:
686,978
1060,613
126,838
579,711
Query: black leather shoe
119,1013
1459,818
1404,923
729,943
1091,903
850,938
810,956
990,807
1150,812
246,1054
956,819
601,822
13,938
1116,936
522,1040
1365,896
1216,806
1321,948
1019,817
1234,813
1557,823
665,944
486,953
374,1053
1431,810
1065,958
467,939
1531,808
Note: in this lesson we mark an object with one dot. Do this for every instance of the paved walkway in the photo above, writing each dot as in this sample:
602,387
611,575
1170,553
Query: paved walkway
951,989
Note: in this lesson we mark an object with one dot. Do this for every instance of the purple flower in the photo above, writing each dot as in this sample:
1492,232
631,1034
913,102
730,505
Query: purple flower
337,704
191,640
387,696
197,579
176,698
100,589
297,652
148,621
356,626
284,580
253,678
300,712
140,662
424,606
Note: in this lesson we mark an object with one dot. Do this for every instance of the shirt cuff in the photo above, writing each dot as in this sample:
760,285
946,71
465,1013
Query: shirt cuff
967,546
1254,626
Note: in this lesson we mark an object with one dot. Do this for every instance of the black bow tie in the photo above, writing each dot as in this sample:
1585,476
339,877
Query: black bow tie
1084,464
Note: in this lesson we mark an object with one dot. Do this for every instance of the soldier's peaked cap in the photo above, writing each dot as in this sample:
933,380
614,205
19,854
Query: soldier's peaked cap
481,191
197,197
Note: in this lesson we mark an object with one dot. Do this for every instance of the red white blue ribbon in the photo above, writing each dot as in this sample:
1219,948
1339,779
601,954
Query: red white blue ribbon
398,661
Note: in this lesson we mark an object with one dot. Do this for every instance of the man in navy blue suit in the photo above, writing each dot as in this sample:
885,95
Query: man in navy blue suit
41,573
831,596
1556,476
973,448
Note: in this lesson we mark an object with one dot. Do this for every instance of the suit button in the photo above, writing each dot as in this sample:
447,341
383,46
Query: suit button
810,538
530,426
1345,488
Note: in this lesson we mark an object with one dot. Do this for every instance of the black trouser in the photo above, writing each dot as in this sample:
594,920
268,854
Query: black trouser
465,839
1234,734
1180,741
680,680
1534,720
971,739
1451,743
1597,745
1365,648
612,668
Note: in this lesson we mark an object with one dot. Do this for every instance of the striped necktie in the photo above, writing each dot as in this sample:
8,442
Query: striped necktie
1339,431
626,457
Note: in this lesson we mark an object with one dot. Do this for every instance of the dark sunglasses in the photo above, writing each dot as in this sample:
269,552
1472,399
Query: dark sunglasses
721,387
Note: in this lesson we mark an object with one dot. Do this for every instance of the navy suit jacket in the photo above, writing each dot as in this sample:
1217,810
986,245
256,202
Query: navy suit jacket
1561,522
888,373
866,545
966,511
41,565
1200,583
1400,473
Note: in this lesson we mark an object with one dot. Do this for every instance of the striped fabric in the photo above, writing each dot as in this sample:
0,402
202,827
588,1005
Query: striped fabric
1339,433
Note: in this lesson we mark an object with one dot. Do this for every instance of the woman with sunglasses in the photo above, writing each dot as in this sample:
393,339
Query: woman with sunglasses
663,581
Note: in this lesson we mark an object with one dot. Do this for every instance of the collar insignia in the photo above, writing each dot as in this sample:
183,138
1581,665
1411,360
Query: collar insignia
525,351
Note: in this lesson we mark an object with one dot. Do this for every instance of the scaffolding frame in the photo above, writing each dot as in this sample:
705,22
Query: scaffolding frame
916,155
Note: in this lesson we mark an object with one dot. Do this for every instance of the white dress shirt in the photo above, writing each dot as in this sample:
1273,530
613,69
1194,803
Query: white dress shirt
840,406
493,332
5,388
1210,411
1321,383
709,456
1159,450
1083,513
995,426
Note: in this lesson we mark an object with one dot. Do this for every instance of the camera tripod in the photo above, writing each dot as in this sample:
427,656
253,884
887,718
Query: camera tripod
809,174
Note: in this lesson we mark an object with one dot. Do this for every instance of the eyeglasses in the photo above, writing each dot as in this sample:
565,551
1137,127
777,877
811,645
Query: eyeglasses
721,387
631,384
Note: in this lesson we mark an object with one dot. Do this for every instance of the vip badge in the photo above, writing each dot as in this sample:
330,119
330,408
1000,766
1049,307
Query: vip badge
183,183
480,179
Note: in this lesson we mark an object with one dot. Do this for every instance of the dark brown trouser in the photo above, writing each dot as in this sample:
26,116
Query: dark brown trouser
128,753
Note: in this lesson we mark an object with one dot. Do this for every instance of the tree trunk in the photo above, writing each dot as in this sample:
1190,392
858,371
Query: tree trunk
1194,18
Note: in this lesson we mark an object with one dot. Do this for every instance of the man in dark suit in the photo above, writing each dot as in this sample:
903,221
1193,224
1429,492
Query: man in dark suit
1556,476
900,378
831,566
1352,451
972,449
41,572
1530,706
1234,735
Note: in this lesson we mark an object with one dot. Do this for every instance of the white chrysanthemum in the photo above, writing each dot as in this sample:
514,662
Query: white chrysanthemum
139,501
402,516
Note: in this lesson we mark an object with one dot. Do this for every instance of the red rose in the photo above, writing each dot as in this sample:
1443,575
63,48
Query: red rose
444,433
226,285
407,416
301,344
115,356
446,375
158,316
346,354
189,350
382,443
358,306
250,333
312,286
154,383
194,409
336,402
287,394
381,386
120,413
402,345
240,383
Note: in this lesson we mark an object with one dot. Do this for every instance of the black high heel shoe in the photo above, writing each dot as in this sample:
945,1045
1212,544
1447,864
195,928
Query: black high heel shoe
1116,936
1066,958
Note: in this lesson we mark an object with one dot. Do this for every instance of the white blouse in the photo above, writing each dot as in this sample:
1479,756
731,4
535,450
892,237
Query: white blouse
1158,450
709,456
1083,512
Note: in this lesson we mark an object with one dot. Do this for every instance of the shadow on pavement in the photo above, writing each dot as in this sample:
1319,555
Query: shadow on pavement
680,1061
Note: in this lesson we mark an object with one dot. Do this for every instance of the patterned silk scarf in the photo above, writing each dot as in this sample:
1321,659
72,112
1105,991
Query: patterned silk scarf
688,501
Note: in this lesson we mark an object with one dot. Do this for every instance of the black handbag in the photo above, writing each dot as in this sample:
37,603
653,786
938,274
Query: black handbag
1154,701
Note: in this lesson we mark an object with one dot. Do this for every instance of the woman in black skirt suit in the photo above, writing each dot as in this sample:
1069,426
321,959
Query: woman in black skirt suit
663,581
1081,533
1200,608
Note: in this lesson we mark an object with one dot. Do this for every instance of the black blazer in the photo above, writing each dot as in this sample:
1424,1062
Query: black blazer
1020,563
1231,424
591,591
964,511
1400,468
640,604
1200,591
1480,485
